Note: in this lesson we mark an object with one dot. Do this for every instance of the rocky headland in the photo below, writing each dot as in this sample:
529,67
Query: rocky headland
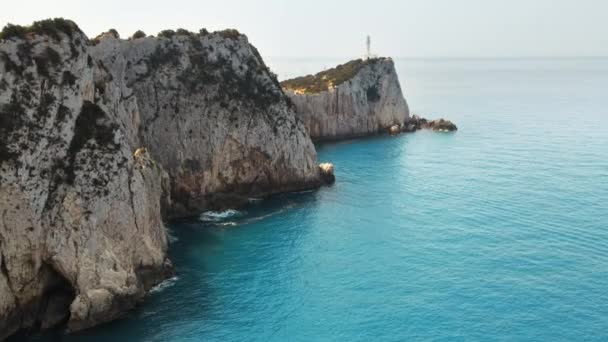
358,98
102,139
211,113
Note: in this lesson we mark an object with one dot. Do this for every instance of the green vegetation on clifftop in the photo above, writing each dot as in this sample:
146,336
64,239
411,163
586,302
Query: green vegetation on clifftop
327,79
50,27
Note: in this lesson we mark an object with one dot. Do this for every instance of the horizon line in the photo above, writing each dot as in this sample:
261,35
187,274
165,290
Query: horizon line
442,57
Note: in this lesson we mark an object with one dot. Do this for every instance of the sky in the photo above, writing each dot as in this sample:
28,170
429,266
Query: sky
335,29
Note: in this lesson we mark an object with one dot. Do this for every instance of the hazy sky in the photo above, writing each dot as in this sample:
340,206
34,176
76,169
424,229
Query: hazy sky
325,28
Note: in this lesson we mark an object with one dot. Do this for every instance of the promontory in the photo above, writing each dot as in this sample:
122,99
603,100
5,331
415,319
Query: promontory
100,139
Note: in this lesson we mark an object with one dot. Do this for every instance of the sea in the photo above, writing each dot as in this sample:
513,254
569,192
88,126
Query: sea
496,232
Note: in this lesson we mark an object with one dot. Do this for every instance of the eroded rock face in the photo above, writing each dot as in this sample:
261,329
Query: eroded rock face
87,130
213,115
81,235
367,100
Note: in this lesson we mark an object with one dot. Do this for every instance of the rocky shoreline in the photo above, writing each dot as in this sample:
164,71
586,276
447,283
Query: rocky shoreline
102,140
356,99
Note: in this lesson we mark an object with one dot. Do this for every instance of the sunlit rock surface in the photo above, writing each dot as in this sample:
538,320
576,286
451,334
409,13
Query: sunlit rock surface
359,98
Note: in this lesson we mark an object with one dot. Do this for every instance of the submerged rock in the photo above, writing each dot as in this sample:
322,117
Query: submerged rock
361,97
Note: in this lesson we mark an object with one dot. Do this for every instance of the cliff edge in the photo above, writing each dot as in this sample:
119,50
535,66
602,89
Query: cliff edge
98,137
212,114
361,97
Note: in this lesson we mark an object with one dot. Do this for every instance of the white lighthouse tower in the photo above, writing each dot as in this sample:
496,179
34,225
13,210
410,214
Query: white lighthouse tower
368,45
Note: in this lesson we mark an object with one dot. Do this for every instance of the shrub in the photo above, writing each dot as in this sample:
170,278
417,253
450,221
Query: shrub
10,31
250,87
114,33
97,39
229,34
166,34
163,55
138,34
183,32
203,32
330,78
50,27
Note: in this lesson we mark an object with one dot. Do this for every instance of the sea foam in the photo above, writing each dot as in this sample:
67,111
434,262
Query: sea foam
164,285
218,216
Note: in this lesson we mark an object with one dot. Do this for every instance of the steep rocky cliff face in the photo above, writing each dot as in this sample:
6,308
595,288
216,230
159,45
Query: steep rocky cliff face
81,235
96,138
212,114
359,98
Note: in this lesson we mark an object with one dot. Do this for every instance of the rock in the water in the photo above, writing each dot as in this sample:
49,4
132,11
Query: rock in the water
409,127
416,122
361,97
327,172
441,125
394,130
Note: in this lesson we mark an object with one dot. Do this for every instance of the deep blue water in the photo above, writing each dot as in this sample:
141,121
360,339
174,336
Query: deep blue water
496,232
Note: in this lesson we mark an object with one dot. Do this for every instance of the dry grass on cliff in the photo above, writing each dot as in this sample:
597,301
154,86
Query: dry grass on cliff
327,79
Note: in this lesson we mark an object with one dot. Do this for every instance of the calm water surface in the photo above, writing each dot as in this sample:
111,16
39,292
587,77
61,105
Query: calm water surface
496,232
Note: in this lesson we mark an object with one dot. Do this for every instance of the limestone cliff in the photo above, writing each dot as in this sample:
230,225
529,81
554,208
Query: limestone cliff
212,114
87,130
81,235
361,97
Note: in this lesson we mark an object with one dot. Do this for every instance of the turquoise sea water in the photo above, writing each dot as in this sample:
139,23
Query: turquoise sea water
496,232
